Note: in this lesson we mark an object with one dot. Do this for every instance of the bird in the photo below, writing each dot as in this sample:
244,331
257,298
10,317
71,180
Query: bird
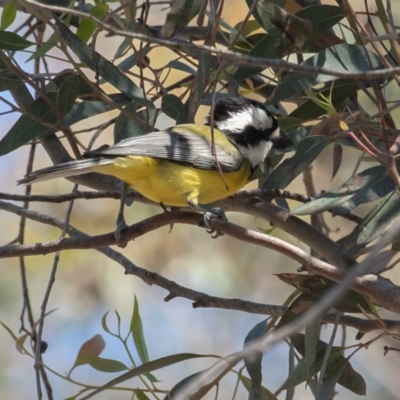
189,164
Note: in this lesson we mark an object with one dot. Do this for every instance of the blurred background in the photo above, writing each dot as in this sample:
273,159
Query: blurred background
88,284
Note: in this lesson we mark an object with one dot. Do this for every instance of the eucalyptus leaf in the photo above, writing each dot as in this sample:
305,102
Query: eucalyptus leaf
265,11
13,42
362,185
271,45
105,364
181,384
263,394
8,15
145,368
180,66
67,93
253,362
337,92
87,27
90,108
8,79
349,378
375,222
307,151
171,105
180,14
99,64
136,328
323,16
342,57
26,129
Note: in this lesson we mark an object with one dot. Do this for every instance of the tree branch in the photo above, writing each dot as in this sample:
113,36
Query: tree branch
230,56
378,290
296,227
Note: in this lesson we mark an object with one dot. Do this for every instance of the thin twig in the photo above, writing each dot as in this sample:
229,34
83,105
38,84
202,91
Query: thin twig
233,57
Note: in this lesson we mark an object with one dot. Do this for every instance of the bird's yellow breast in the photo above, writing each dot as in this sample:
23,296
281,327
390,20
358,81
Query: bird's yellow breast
173,184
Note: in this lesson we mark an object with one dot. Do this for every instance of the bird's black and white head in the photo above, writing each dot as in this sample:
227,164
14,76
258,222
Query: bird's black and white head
250,127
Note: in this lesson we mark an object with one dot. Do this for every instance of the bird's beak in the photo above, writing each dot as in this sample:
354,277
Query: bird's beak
282,141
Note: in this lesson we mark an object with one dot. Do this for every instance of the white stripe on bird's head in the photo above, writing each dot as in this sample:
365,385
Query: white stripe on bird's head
238,120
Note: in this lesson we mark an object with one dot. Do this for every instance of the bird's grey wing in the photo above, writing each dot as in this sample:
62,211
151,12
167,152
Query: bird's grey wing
183,148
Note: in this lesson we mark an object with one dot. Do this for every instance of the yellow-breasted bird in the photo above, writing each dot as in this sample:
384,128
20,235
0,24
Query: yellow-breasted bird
177,166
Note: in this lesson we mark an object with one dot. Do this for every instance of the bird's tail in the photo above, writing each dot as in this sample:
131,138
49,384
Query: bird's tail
64,170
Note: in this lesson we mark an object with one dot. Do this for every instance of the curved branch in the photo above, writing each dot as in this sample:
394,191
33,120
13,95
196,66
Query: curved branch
378,290
229,56
203,300
296,227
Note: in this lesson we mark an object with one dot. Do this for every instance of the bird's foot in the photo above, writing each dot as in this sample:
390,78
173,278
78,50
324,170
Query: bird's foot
215,212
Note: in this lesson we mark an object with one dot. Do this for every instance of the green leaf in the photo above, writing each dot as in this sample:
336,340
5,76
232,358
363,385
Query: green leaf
342,57
89,108
270,46
45,47
136,329
375,222
340,90
368,185
171,105
13,42
181,384
289,124
322,16
132,60
180,66
341,370
246,30
68,92
8,15
180,14
87,27
311,29
264,392
265,11
311,341
145,368
26,129
104,323
195,98
104,364
100,65
8,79
11,333
328,386
253,363
141,395
123,122
126,127
377,190
350,379
307,151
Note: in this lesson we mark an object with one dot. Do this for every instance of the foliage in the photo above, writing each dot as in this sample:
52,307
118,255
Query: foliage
328,81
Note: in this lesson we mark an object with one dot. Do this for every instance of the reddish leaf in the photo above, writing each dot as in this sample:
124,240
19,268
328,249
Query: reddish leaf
93,347
19,344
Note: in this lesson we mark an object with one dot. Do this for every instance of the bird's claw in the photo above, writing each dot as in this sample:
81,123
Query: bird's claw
215,212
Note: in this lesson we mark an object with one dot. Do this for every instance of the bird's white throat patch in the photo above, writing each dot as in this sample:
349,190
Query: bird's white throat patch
250,116
257,154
